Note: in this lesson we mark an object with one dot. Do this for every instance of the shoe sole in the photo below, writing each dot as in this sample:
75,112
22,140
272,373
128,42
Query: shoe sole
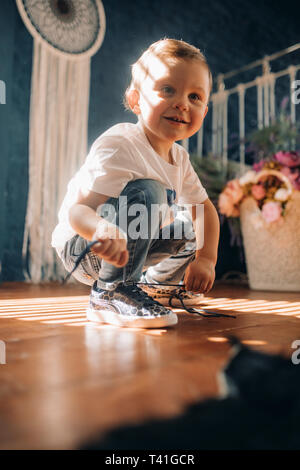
113,318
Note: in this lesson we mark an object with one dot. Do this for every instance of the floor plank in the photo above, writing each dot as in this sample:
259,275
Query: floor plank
66,378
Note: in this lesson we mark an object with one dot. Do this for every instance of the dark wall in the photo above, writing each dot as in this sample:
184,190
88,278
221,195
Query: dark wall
15,71
230,32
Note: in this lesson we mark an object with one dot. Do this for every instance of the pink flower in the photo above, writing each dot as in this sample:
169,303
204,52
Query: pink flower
271,211
234,190
290,159
296,181
286,171
258,166
227,207
293,176
229,199
258,192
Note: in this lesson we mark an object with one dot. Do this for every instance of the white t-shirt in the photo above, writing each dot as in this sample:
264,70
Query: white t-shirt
120,155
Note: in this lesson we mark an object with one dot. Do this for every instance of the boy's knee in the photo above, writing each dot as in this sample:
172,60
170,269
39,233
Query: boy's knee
146,191
147,200
183,227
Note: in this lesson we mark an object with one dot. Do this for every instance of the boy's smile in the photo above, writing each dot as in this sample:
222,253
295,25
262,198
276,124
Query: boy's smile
172,102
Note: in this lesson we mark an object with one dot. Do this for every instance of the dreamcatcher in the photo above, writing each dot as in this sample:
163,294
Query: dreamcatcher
66,34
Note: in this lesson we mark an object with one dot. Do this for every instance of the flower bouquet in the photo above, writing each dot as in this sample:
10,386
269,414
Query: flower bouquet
270,183
267,200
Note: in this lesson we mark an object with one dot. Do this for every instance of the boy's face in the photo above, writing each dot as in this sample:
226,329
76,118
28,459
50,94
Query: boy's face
172,101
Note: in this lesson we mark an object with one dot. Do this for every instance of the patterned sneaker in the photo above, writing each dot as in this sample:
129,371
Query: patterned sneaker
165,294
128,305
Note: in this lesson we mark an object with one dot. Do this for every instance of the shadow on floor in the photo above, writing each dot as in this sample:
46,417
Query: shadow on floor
259,408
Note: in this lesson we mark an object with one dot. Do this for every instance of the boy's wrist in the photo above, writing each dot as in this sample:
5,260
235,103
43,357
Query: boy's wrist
108,229
211,258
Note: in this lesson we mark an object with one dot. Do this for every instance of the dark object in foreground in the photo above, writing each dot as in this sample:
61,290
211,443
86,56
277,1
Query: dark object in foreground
260,410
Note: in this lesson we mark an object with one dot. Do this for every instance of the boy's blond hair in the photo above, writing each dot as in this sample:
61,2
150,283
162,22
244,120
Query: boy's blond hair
165,49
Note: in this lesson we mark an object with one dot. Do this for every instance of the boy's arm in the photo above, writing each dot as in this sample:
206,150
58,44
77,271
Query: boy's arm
85,221
200,274
82,215
207,236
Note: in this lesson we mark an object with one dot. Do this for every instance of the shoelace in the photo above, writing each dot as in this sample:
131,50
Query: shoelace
140,294
174,294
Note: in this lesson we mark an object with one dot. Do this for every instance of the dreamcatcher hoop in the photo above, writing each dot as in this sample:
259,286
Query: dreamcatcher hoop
69,28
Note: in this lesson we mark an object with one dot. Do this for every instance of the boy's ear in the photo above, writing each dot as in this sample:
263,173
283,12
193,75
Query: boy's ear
133,98
205,113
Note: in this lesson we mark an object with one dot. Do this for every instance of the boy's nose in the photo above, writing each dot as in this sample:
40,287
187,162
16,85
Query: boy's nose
181,104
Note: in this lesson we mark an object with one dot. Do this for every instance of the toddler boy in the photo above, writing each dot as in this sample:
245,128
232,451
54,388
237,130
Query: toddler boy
139,169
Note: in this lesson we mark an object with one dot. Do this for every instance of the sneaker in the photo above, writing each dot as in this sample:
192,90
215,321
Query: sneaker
165,294
128,305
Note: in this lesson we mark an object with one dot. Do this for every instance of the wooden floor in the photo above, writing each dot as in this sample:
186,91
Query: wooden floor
66,379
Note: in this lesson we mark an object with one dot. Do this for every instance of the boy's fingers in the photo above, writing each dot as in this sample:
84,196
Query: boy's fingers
208,287
116,261
188,286
100,249
123,259
111,250
114,258
104,242
126,256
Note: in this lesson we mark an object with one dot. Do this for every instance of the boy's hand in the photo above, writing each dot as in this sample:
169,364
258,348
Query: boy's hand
200,275
112,248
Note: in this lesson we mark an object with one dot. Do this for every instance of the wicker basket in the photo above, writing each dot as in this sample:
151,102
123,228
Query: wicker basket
272,250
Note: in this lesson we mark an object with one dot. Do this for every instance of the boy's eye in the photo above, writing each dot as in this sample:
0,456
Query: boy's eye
167,89
195,97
